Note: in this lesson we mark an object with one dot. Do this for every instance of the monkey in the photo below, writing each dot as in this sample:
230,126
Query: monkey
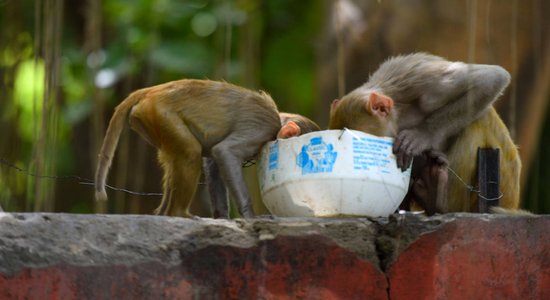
434,99
438,109
291,125
190,119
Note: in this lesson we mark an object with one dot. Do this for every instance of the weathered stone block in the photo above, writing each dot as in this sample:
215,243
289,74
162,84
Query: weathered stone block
115,257
455,256
471,256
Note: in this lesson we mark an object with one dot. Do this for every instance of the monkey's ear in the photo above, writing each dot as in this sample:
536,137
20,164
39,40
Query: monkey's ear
334,104
379,105
288,130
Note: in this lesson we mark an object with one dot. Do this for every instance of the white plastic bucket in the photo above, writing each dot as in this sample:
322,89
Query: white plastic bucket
331,173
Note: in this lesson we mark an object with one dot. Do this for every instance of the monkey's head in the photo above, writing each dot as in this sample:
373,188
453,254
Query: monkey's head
295,125
370,112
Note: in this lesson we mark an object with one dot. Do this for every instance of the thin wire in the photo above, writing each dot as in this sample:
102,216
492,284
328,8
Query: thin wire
490,199
469,187
122,190
473,190
81,180
248,163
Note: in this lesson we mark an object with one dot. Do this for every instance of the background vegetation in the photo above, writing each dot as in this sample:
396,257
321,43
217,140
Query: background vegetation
64,65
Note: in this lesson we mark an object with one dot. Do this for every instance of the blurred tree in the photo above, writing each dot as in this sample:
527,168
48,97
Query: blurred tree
110,48
514,36
64,65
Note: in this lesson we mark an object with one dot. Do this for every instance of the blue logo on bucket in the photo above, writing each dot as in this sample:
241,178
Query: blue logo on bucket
316,157
273,156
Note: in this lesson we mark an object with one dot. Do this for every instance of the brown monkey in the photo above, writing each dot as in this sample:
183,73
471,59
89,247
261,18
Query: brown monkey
291,125
189,119
438,108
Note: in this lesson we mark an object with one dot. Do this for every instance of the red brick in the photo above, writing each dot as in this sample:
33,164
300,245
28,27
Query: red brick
309,267
476,258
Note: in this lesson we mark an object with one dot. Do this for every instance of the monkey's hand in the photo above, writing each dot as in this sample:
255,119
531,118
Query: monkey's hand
412,142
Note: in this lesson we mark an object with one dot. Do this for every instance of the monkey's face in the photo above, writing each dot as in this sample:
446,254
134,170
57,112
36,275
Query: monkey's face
368,112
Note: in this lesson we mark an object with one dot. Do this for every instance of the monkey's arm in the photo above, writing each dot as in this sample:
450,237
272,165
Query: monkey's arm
461,95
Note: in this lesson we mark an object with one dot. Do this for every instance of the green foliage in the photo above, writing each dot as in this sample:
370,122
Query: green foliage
171,37
193,59
289,60
143,42
21,49
27,97
146,42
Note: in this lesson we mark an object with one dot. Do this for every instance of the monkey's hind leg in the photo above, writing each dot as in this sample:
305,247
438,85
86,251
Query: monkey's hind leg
180,157
166,195
186,178
181,177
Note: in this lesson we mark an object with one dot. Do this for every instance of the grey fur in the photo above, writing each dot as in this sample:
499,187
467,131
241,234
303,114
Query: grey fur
434,98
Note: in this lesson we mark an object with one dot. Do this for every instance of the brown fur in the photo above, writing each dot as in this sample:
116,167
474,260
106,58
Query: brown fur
189,119
486,132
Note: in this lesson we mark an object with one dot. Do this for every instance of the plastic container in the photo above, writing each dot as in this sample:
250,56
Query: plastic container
331,173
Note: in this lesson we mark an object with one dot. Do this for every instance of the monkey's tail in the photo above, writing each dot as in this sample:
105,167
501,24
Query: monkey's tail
111,141
510,211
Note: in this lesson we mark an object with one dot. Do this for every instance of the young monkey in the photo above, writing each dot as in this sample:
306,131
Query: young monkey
190,119
436,108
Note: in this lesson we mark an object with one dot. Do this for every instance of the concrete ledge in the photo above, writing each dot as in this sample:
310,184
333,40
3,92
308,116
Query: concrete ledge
475,257
65,256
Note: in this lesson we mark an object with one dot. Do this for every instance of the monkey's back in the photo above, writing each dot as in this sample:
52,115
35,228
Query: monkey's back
486,132
211,109
404,77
